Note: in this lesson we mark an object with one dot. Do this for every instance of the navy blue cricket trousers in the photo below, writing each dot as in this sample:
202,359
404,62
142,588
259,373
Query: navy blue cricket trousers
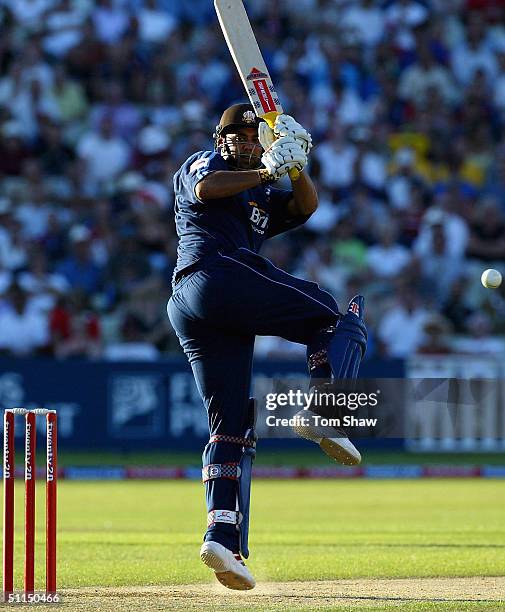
216,312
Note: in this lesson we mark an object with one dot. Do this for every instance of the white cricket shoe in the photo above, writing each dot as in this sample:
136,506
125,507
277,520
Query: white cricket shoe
338,447
230,570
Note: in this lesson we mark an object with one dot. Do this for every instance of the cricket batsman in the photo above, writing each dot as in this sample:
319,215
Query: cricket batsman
225,294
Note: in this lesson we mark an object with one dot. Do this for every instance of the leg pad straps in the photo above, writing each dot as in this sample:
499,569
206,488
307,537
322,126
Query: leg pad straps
232,517
233,440
221,470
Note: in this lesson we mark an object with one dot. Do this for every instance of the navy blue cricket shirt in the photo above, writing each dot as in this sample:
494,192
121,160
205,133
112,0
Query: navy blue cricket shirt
226,224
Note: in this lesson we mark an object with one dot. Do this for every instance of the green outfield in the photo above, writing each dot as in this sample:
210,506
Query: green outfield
315,545
309,456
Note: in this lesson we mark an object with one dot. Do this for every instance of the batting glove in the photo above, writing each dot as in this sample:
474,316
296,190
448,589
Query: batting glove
285,125
282,156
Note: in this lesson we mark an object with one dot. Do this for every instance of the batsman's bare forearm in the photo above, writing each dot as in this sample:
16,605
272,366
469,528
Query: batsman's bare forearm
305,200
223,184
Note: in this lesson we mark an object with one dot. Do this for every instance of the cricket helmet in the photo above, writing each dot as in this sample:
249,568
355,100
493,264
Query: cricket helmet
236,117
239,155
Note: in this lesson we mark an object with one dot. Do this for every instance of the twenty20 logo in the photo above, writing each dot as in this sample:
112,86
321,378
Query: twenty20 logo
50,452
7,454
29,454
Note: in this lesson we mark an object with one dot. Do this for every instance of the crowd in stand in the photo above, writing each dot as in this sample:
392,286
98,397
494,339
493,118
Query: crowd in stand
101,101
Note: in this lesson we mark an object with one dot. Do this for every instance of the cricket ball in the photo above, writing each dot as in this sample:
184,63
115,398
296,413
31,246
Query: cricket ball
491,279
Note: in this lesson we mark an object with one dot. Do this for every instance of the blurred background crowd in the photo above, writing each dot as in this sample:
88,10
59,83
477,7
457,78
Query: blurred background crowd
101,102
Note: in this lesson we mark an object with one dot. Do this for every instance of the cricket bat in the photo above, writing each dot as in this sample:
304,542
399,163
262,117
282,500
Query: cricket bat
249,61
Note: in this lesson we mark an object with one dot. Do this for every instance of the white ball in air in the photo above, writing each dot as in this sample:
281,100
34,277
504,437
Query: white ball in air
491,279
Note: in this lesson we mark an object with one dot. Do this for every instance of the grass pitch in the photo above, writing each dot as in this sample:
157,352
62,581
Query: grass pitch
326,545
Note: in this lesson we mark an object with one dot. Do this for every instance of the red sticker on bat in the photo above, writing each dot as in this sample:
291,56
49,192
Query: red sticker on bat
265,96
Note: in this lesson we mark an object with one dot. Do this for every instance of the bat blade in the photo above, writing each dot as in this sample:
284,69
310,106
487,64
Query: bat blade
248,59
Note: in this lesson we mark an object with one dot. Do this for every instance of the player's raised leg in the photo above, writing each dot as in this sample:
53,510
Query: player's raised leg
335,353
273,302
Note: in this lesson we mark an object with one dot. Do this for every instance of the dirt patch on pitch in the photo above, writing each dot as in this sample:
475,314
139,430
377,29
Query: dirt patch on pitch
311,595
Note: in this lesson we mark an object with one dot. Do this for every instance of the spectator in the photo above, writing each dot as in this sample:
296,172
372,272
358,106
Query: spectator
319,265
43,287
487,233
387,259
369,163
495,186
436,332
34,65
439,267
68,95
34,213
152,148
349,251
403,180
23,329
63,24
74,328
366,20
402,17
128,269
29,13
419,80
481,339
79,269
13,251
54,154
124,117
369,211
456,308
87,54
105,155
133,345
13,148
474,54
335,157
14,97
455,232
111,21
401,330
155,25
343,161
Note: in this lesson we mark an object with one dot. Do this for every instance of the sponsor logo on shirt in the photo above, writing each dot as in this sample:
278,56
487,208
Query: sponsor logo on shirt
259,218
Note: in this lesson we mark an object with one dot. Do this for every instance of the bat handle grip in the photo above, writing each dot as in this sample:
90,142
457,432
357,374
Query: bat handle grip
270,118
294,175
